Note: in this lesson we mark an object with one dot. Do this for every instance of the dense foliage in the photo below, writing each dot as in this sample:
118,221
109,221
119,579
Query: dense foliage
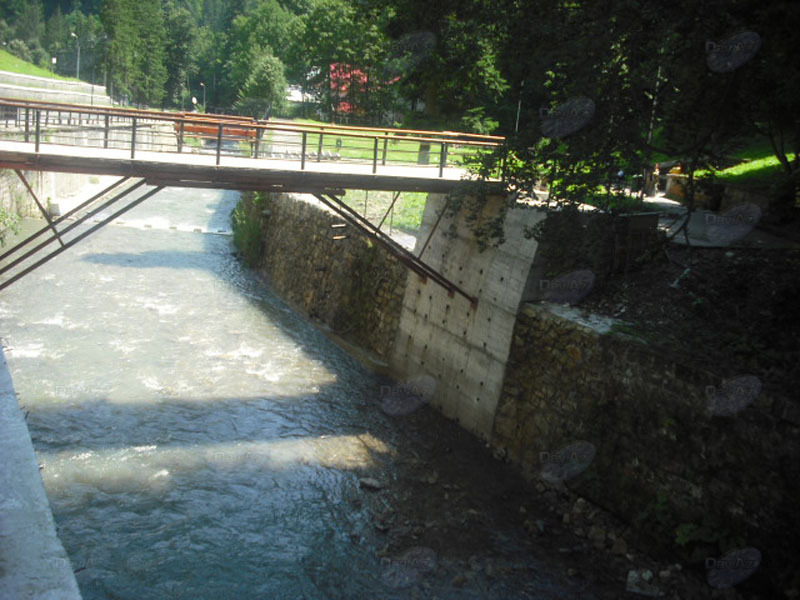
478,65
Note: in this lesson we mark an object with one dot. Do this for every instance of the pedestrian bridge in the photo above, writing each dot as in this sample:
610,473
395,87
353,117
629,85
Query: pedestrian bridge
193,149
163,149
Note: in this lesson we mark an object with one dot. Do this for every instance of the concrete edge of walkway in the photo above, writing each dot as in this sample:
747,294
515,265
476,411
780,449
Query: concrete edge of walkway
33,562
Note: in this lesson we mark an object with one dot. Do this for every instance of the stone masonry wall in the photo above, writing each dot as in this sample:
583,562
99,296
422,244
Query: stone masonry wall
691,482
350,285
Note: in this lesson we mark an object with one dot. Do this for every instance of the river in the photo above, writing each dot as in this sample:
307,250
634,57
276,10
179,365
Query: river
200,440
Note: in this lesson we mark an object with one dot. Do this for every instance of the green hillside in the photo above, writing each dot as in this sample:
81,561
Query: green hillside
9,62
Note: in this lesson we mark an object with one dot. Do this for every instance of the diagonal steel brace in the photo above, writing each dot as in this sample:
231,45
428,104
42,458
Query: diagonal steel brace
39,204
71,226
78,238
62,218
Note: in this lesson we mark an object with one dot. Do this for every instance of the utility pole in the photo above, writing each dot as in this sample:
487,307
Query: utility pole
78,62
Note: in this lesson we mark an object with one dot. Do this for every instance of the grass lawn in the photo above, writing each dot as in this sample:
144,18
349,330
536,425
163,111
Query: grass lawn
9,62
408,209
398,151
760,167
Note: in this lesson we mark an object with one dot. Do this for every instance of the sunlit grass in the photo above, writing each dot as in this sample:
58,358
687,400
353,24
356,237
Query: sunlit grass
407,214
761,169
364,149
9,62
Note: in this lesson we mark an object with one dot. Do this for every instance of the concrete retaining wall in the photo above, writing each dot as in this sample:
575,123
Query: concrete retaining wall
465,348
16,86
33,563
49,187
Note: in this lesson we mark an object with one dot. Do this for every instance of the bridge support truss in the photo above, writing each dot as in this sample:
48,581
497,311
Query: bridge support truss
408,259
20,265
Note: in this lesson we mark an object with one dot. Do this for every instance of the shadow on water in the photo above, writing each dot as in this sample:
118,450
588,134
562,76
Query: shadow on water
144,260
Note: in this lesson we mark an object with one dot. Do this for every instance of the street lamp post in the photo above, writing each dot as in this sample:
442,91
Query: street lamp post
203,85
78,63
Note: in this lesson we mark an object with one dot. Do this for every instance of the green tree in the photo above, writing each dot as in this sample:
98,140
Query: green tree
461,75
11,9
55,32
651,93
180,48
137,49
265,88
29,25
267,28
119,22
336,33
150,52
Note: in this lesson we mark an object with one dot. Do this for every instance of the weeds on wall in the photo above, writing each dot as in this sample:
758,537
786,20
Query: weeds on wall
9,224
246,221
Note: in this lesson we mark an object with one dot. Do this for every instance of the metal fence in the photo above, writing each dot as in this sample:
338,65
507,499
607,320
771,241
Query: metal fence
241,137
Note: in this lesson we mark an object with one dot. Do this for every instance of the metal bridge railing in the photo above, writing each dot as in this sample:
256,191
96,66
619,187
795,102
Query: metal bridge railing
229,136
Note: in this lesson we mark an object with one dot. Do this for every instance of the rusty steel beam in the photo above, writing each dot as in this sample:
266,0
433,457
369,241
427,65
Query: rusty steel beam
80,237
51,227
405,257
70,227
62,218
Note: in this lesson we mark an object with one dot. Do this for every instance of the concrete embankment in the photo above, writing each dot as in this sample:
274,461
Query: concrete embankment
33,563
16,86
535,379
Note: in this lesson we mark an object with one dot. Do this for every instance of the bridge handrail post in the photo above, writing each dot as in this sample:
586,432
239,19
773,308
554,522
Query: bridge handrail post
375,155
180,136
303,152
105,133
319,146
133,137
27,125
385,147
219,141
38,129
442,159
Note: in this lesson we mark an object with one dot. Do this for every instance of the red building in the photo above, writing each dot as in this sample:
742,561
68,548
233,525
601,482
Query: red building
350,84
